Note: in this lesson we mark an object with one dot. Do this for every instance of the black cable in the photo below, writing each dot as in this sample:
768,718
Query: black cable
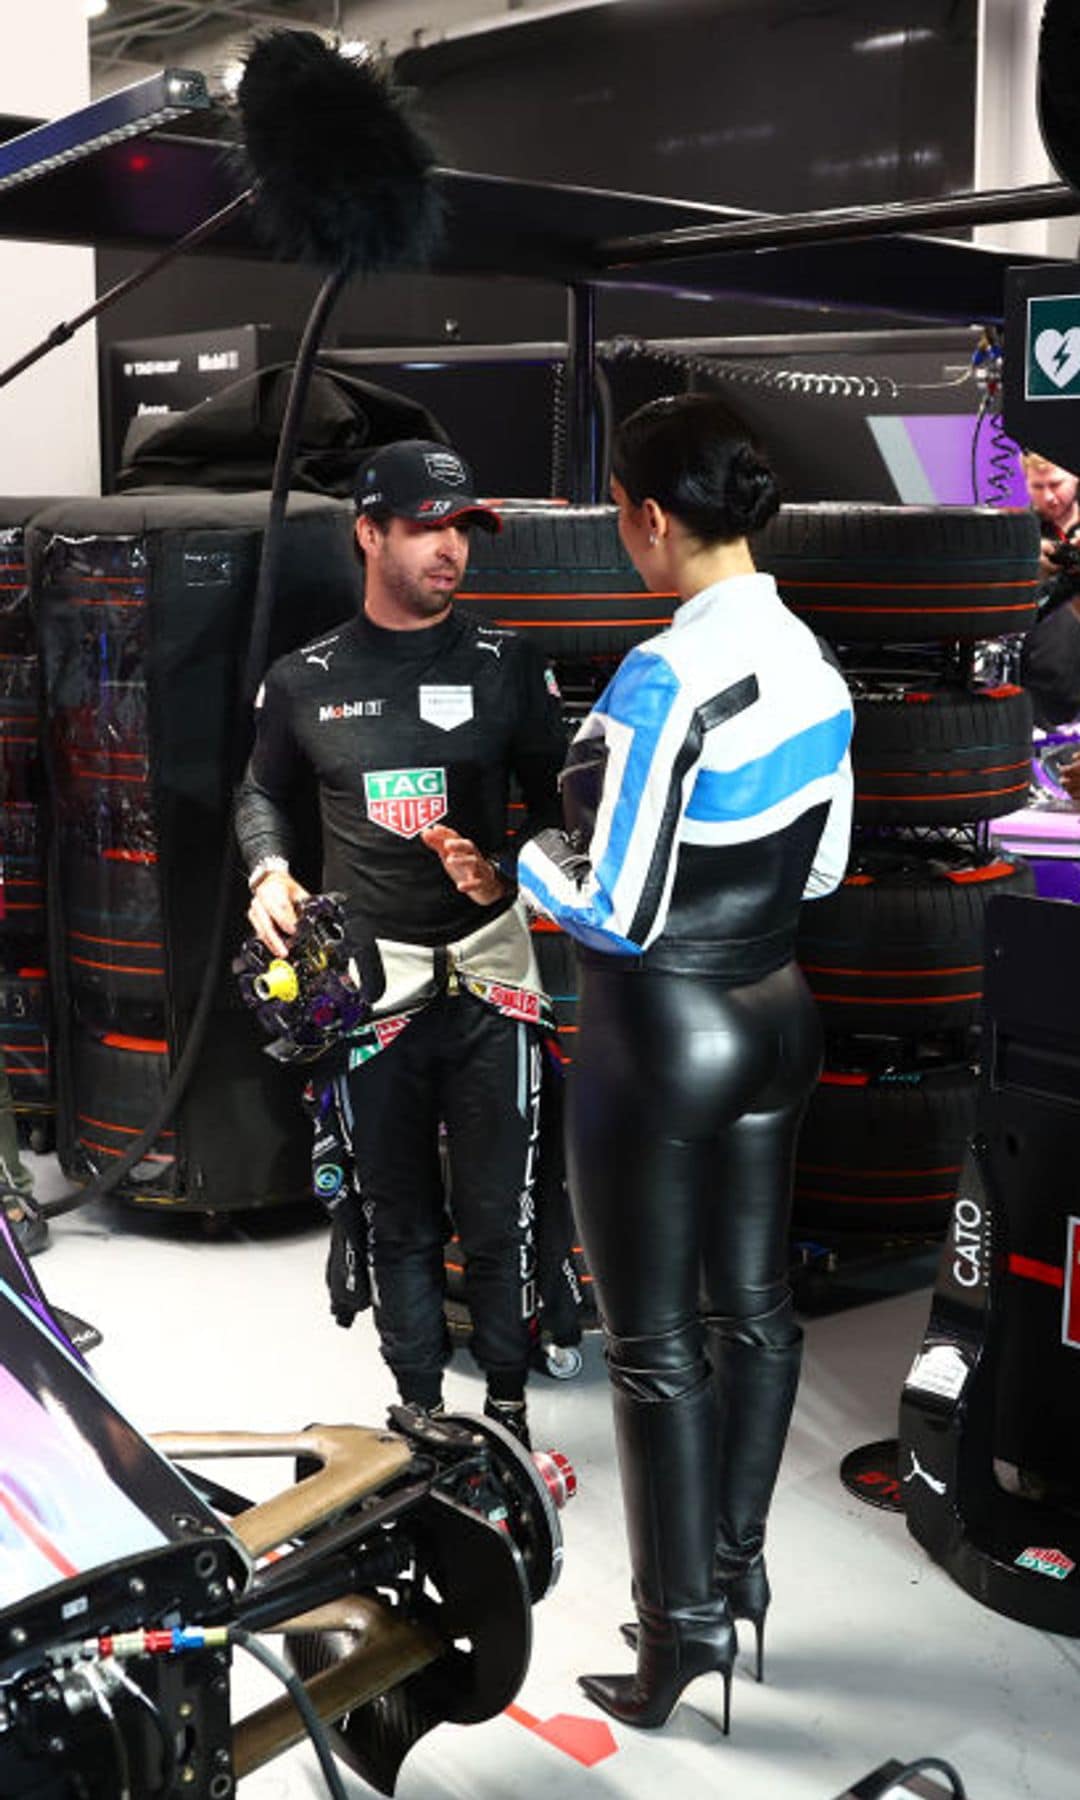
114,1672
979,417
607,431
924,1765
258,647
93,1681
301,1699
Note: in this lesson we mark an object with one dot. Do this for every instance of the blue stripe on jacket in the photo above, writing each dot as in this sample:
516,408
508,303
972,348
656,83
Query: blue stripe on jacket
641,696
722,796
580,921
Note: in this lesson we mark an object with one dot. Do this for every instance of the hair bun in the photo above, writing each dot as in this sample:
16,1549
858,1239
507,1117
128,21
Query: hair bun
751,493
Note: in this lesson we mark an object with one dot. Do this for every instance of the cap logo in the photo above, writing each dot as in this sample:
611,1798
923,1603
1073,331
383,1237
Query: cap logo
443,465
435,508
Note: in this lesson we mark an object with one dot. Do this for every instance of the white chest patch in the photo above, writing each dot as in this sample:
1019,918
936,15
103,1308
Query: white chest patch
446,707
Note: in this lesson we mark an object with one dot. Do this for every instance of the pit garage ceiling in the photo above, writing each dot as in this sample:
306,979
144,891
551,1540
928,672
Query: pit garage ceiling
131,36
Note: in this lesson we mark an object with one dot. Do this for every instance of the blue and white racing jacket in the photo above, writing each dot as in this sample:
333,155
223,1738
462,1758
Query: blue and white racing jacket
706,795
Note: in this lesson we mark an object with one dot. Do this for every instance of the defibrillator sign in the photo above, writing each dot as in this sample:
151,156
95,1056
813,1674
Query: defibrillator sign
1053,347
405,801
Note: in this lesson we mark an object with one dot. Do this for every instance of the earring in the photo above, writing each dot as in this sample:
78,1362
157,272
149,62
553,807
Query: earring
652,539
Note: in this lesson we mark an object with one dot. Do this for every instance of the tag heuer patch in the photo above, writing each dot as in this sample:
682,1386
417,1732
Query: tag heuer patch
405,801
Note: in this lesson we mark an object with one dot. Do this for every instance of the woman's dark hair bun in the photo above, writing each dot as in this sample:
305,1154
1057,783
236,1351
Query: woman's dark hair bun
693,456
751,493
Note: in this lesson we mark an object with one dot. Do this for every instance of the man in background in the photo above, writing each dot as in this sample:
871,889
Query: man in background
1050,659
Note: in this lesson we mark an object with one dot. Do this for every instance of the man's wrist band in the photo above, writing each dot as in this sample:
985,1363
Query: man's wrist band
506,876
267,865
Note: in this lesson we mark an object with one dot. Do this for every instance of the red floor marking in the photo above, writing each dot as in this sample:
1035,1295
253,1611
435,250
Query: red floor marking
586,1740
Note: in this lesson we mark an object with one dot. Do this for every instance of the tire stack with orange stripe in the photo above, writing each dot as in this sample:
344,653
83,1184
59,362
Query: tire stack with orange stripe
25,1036
895,955
143,607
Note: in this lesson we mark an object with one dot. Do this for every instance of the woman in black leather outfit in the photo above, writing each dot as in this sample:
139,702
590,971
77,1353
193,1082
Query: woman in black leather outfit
707,793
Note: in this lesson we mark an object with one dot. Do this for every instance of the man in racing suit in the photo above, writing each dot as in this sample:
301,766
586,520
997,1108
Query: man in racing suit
413,717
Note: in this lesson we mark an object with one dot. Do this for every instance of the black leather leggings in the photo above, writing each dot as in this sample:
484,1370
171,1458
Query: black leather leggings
684,1102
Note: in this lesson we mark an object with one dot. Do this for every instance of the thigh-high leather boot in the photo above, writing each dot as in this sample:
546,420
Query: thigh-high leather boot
665,1436
755,1366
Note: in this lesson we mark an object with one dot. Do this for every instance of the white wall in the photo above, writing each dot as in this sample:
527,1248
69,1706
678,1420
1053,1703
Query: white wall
48,416
1008,145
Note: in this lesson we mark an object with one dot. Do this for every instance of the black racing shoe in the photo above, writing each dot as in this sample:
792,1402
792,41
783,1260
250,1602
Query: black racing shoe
512,1416
27,1221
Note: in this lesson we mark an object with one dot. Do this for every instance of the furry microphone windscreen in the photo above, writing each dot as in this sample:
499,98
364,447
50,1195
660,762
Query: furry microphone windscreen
341,173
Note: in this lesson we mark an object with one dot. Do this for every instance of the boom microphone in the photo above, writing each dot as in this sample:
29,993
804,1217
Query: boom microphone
341,172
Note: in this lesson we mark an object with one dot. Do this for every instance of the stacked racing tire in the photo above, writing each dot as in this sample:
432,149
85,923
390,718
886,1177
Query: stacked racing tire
908,597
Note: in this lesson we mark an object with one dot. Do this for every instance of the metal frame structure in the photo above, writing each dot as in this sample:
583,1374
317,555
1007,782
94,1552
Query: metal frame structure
861,259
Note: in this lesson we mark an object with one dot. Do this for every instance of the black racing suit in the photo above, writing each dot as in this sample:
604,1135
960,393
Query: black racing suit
1050,653
404,729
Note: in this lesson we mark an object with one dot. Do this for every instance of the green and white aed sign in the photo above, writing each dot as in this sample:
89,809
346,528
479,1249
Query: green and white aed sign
405,801
1053,347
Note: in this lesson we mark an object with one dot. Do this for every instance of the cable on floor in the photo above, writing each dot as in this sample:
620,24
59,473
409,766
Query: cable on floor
301,1699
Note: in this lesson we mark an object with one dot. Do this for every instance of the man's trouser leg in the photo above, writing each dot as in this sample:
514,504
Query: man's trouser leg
490,1102
395,1127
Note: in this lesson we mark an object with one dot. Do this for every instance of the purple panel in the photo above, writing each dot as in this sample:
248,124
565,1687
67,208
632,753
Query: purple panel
1056,878
942,442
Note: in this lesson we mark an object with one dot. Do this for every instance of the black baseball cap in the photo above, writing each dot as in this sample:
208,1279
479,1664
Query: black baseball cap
417,479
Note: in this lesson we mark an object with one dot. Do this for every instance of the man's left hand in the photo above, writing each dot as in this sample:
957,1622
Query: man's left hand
468,868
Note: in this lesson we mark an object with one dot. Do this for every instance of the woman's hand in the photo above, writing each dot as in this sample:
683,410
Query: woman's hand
468,868
273,909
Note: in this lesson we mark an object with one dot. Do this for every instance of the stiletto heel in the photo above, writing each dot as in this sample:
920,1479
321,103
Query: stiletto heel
748,1595
673,1650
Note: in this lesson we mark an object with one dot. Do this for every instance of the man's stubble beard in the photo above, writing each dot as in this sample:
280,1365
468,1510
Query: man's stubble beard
410,596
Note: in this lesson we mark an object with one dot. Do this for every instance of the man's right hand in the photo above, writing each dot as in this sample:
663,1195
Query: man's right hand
273,909
1070,780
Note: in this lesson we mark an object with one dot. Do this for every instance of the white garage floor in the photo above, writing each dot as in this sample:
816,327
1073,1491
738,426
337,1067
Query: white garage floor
871,1652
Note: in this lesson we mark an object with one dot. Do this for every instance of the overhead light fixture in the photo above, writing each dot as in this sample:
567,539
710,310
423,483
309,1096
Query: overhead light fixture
95,9
128,113
896,40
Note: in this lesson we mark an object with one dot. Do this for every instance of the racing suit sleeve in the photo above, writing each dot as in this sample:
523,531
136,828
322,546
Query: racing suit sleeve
539,744
616,897
274,772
